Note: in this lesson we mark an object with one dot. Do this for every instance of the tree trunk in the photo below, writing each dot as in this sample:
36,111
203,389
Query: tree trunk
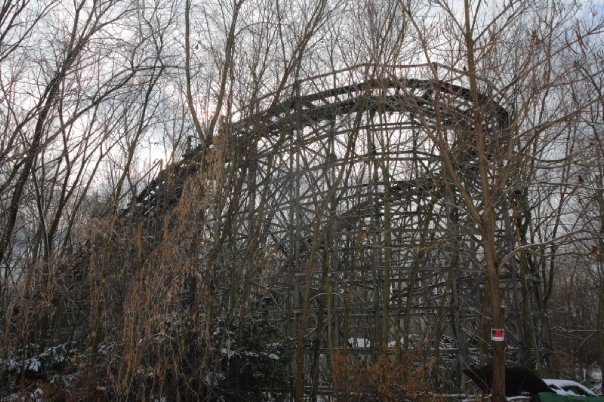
600,262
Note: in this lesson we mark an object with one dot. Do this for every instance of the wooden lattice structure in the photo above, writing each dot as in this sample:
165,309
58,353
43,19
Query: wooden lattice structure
358,213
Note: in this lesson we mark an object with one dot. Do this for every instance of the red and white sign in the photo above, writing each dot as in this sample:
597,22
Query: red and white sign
497,334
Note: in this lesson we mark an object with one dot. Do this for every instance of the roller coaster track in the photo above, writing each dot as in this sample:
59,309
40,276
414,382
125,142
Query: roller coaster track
427,103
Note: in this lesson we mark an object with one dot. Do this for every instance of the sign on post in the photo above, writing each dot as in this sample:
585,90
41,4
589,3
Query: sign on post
497,334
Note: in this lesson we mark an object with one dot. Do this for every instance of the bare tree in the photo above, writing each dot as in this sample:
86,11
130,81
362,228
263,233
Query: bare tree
528,83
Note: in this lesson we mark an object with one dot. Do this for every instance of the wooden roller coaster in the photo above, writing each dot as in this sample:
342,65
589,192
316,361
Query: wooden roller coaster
346,178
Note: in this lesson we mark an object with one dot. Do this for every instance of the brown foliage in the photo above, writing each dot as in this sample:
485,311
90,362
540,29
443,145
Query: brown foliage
393,377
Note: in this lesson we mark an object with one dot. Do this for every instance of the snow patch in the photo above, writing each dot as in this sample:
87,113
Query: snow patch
359,342
34,365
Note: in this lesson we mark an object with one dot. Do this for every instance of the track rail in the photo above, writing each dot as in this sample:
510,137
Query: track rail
428,103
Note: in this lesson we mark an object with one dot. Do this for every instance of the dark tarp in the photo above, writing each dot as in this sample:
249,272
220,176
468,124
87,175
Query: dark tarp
518,380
